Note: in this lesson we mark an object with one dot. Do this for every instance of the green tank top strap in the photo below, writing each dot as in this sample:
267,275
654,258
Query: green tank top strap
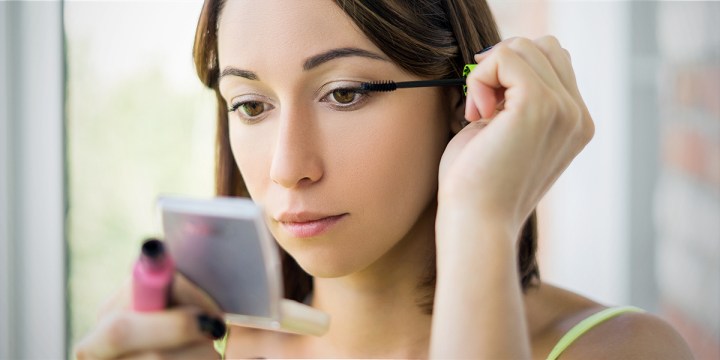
587,324
221,344
567,339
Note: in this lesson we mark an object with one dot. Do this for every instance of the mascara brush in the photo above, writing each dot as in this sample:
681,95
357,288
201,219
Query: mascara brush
390,85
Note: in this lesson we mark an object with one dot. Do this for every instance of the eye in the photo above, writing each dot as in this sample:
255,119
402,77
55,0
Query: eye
250,110
345,98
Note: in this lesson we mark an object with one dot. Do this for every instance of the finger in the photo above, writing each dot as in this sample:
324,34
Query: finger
129,332
537,60
184,292
503,68
203,351
472,111
560,60
480,55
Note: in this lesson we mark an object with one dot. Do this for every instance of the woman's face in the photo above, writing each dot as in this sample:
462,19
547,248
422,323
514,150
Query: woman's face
342,176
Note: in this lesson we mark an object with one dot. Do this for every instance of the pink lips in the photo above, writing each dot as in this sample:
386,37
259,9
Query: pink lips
308,225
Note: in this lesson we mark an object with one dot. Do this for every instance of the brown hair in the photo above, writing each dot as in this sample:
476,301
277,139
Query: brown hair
429,38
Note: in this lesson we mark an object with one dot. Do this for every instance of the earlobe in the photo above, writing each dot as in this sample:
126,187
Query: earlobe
456,101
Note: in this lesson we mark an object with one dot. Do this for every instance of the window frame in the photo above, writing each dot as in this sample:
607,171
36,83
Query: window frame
32,181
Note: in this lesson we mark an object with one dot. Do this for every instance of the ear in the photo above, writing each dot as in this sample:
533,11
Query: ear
456,102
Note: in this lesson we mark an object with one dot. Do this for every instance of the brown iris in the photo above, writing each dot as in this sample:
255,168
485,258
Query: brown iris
252,108
343,96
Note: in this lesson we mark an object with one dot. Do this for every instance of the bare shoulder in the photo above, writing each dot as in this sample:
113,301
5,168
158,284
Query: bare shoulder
630,336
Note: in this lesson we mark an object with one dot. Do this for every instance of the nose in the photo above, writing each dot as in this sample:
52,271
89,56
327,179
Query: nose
296,161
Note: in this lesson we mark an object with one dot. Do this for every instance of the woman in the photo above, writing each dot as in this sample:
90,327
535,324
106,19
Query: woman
408,216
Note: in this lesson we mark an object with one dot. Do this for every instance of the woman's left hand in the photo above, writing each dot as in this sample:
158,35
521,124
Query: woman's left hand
527,123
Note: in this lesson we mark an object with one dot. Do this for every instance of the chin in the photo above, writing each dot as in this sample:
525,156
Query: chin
325,263
339,254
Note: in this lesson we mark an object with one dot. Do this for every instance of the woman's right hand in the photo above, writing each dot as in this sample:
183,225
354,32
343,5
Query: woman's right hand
186,330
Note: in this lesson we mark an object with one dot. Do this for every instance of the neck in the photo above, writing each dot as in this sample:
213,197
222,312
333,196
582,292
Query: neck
375,311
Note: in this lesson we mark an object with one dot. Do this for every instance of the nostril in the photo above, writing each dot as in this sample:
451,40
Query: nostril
289,181
306,180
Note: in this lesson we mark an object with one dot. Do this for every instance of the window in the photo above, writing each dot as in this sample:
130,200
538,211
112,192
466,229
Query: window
139,124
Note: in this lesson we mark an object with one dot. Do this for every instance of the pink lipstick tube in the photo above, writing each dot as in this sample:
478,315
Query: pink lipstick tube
152,277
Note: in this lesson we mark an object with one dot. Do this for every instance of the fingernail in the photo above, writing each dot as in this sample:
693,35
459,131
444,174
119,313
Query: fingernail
212,327
484,50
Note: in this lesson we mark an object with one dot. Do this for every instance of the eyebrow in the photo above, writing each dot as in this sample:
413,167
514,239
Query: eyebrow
238,72
311,62
319,59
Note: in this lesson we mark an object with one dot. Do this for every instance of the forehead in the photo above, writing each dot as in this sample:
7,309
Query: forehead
278,34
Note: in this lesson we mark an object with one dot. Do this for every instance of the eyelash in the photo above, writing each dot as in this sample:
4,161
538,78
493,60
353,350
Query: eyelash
360,97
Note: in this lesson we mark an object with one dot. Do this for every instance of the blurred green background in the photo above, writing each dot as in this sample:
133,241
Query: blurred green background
140,125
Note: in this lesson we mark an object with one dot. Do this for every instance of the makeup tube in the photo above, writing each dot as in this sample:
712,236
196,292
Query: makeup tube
152,277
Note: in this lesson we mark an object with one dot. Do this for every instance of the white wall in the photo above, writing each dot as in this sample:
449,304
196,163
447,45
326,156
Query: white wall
587,229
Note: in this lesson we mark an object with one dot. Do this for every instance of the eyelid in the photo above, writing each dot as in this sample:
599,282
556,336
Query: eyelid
331,86
248,98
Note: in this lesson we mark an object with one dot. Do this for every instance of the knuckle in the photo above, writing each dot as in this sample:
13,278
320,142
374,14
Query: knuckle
118,331
578,123
81,353
570,113
572,109
587,130
549,41
503,50
521,43
550,45
509,40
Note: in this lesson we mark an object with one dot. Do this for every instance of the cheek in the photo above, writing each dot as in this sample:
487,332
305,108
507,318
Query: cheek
386,171
388,166
400,147
252,156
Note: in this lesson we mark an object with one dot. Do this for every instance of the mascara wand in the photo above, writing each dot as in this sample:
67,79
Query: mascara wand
389,85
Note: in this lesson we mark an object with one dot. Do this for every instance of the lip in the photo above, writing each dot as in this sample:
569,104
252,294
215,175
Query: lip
304,225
